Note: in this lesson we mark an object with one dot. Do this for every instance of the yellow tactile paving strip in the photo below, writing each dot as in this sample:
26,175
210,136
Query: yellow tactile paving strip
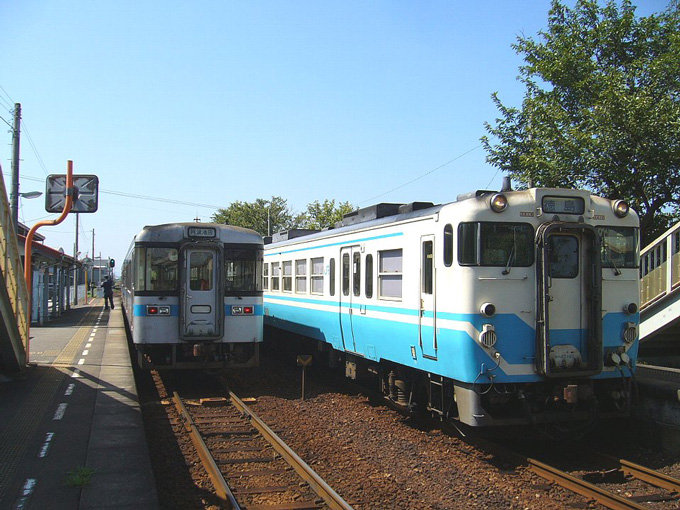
15,435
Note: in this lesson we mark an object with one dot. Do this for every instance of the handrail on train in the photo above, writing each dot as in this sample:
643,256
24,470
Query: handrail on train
660,267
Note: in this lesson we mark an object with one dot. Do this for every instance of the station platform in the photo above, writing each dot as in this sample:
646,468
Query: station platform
71,431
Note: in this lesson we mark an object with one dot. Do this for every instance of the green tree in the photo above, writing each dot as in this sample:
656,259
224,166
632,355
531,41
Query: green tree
320,215
263,216
601,108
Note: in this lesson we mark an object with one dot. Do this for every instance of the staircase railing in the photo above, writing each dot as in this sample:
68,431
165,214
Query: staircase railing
660,267
13,294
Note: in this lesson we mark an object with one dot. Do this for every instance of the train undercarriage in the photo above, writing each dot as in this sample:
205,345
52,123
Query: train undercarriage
576,403
198,355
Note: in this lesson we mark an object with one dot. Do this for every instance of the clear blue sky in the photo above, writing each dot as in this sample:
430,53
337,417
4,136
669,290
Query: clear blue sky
209,102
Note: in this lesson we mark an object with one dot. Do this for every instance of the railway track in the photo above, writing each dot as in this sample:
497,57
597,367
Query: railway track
637,487
250,467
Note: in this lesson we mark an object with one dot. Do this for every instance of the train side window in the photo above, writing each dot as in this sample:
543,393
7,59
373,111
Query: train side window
265,276
448,245
331,277
356,273
287,276
316,285
139,270
428,268
301,276
368,284
345,274
276,276
390,274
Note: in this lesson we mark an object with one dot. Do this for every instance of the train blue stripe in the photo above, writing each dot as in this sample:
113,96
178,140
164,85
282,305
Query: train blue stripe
340,243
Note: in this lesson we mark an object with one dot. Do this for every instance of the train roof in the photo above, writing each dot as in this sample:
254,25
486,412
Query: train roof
385,213
375,215
176,232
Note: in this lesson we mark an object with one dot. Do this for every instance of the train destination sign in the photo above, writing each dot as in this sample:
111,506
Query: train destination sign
205,232
563,205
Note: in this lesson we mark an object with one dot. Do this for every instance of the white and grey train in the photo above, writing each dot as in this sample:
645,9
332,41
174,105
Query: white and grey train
500,308
192,295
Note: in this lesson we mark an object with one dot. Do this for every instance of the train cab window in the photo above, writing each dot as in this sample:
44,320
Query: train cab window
356,273
496,244
287,276
390,274
201,270
427,264
265,276
156,269
301,276
618,247
563,256
345,274
242,270
368,283
276,276
316,286
331,277
448,245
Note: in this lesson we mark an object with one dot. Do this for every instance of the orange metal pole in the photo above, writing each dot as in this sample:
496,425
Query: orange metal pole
28,248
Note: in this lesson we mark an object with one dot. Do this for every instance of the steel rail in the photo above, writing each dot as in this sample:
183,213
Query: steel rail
218,481
321,488
582,487
649,475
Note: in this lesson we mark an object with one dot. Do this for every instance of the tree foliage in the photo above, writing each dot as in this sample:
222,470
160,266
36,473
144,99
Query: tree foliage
274,215
320,215
263,216
601,108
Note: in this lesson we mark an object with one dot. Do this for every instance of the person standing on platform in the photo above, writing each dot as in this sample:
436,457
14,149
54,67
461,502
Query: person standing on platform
107,285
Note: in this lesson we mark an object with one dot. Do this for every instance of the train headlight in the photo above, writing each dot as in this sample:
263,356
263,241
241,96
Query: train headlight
488,336
498,202
620,208
630,332
630,308
487,309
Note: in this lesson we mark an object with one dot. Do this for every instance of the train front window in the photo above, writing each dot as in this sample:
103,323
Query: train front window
160,269
242,270
619,247
201,270
496,244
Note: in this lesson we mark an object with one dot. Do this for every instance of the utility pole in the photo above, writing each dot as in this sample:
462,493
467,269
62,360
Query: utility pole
75,257
92,284
14,194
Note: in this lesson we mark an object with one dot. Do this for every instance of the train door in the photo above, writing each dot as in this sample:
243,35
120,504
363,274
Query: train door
428,314
570,337
349,267
201,294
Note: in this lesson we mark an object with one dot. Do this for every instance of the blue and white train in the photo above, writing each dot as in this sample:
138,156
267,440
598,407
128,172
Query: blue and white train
192,295
500,308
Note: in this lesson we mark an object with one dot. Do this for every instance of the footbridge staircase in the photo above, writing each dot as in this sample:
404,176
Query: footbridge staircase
660,296
13,293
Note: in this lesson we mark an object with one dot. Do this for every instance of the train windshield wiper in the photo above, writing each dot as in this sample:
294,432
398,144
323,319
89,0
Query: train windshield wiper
508,264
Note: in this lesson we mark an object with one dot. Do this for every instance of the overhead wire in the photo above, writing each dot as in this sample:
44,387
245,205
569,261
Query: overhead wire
33,147
135,195
422,175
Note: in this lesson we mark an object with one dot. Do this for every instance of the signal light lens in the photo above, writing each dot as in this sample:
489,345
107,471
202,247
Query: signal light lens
247,310
498,203
152,310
